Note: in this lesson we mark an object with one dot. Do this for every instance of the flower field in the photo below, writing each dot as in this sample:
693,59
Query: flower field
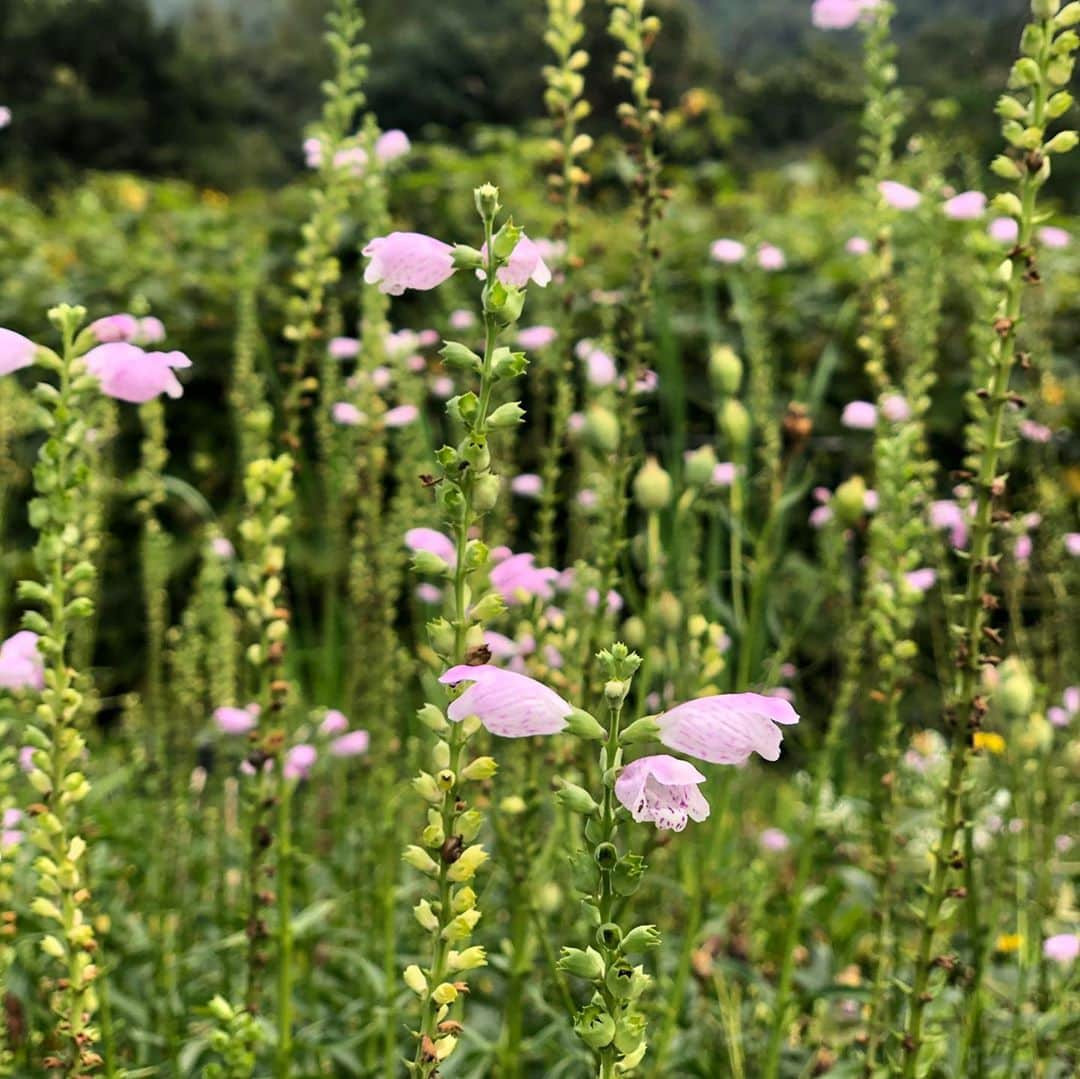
549,606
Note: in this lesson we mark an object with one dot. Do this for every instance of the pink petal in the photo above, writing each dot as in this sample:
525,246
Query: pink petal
508,704
727,728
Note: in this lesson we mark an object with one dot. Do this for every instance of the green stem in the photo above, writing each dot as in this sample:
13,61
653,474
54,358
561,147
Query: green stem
283,1063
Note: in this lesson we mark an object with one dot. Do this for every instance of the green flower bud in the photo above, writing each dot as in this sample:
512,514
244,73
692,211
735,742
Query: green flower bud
432,718
587,964
652,486
735,422
508,415
464,899
1045,9
486,492
423,913
576,799
441,635
480,769
469,959
670,611
641,730
1062,143
460,928
594,1026
725,370
1068,16
700,465
429,564
489,606
415,980
849,501
584,725
464,869
640,938
601,429
476,452
419,859
467,258
455,354
1016,692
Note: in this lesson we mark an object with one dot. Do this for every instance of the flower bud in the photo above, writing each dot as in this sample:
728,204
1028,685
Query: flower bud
576,799
641,938
735,422
1016,692
460,927
464,899
441,635
415,980
508,415
1045,9
419,859
601,429
480,769
423,913
849,501
584,725
587,964
429,564
486,492
652,486
444,994
594,1026
465,867
641,730
486,197
1062,143
725,370
427,788
670,611
469,959
700,465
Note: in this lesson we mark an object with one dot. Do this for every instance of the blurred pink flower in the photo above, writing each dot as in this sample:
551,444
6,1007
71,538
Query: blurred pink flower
401,416
857,245
407,260
313,152
527,484
426,592
1062,948
727,251
820,516
859,416
536,336
350,745
334,722
299,761
723,475
462,319
5,116
922,580
1022,549
967,206
222,547
127,373
150,331
346,414
895,409
728,727
839,14
231,720
899,196
22,666
663,790
770,257
1004,229
524,265
26,759
1051,236
352,158
599,367
1072,544
343,348
588,499
518,579
944,513
428,539
16,351
391,145
1034,432
773,839
648,381
507,704
121,327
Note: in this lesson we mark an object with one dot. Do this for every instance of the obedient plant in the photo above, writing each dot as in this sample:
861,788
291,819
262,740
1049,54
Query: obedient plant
1036,97
466,490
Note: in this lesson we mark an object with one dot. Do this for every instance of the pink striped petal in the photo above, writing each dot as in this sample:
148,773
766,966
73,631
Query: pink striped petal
508,704
728,727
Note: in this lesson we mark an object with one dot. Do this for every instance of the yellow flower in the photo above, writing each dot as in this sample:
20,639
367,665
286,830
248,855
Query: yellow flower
991,741
1009,942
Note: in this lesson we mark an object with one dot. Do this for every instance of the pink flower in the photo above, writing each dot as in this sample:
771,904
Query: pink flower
401,416
524,265
899,196
1051,236
820,516
518,579
299,761
727,251
839,14
22,666
536,337
1071,699
1062,948
129,374
26,759
443,387
426,592
427,539
922,580
774,840
346,414
857,245
507,704
728,727
859,416
648,381
334,722
945,513
1003,229
5,116
313,152
614,600
588,499
1072,544
407,260
353,158
723,475
895,408
391,145
499,645
966,206
871,501
1034,432
1022,549
111,328
236,720
16,351
350,745
427,338
663,790
462,319
528,485
343,348
151,330
770,257
599,367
